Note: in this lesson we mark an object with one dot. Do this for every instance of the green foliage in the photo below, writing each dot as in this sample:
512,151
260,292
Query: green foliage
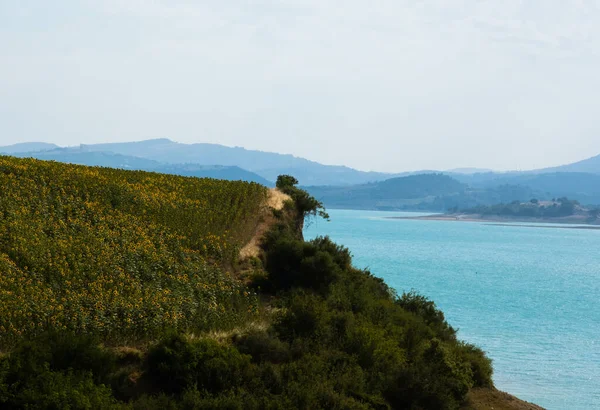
338,337
437,379
58,351
481,365
177,364
264,347
285,182
57,371
292,263
305,204
426,310
60,390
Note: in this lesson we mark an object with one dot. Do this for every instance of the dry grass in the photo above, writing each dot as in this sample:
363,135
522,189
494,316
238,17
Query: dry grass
488,399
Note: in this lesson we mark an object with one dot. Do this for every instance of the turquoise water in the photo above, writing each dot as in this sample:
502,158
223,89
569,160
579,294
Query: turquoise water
530,297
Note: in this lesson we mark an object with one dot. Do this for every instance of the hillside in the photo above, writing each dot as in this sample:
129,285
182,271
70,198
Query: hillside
109,159
123,289
430,192
589,165
584,187
395,193
118,252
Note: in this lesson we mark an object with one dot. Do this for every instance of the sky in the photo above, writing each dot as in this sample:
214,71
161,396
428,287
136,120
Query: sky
382,85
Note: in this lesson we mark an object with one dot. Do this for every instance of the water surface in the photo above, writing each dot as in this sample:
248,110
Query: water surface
529,297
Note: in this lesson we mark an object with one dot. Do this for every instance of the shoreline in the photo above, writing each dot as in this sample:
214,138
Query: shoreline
519,222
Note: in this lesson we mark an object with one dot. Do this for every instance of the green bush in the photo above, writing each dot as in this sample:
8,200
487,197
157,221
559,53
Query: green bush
59,390
426,309
292,263
177,364
263,347
481,365
303,318
58,351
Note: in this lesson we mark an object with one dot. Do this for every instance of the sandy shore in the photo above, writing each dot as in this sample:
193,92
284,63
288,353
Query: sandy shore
570,223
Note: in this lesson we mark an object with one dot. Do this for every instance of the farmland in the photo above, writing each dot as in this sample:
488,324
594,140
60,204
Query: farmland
122,254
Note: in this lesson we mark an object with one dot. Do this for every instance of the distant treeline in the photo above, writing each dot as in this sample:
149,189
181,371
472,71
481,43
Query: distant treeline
561,207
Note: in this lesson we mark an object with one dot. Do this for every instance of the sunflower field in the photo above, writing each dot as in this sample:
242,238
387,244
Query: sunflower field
123,254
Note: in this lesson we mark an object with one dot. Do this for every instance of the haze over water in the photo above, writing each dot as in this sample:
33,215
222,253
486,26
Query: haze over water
530,297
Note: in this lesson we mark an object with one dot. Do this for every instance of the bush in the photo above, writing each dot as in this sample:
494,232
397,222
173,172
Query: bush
61,352
263,347
176,364
303,318
59,390
426,309
436,380
481,366
291,263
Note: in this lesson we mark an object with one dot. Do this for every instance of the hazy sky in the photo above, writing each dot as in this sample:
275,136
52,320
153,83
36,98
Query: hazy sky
383,85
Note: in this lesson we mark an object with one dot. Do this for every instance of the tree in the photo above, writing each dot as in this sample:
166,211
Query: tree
306,204
285,181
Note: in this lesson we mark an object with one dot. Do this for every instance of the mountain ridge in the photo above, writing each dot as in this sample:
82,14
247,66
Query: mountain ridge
268,165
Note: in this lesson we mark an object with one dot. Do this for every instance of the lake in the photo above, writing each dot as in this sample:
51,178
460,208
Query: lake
528,296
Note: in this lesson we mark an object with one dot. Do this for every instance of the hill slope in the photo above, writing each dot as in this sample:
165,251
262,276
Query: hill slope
584,187
118,252
590,165
432,192
90,255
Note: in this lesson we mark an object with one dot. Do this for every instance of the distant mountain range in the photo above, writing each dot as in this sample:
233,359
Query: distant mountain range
27,147
266,164
590,165
440,192
336,186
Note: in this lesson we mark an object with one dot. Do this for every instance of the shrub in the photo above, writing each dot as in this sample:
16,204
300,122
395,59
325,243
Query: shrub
426,309
61,352
481,366
59,390
263,347
437,379
303,318
314,265
176,364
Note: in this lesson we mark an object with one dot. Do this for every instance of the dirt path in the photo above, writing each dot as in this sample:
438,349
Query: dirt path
275,200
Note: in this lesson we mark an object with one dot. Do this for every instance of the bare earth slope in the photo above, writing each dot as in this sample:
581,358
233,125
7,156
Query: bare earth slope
275,201
485,399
